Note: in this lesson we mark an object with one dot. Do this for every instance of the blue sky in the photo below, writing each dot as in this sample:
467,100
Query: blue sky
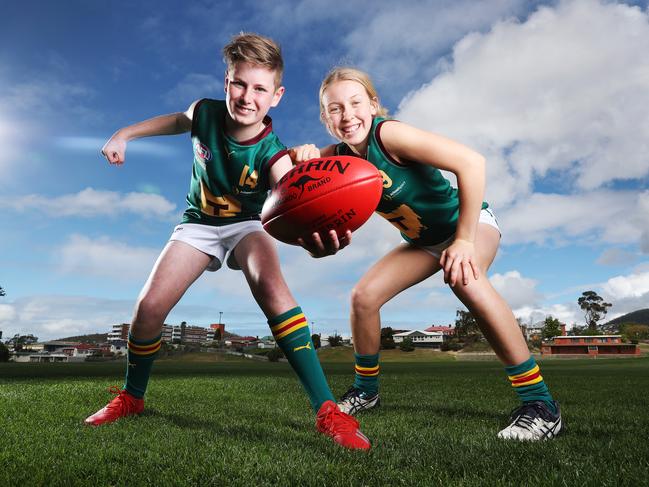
554,94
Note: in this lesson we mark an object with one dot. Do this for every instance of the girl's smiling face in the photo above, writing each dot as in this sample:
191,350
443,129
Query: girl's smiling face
348,113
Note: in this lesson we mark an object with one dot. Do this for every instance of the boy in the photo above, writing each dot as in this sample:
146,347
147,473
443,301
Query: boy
237,158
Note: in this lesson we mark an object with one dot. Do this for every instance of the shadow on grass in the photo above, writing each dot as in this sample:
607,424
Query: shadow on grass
13,371
448,412
270,430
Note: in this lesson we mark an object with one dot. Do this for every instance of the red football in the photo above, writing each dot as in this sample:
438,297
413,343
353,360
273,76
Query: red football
339,192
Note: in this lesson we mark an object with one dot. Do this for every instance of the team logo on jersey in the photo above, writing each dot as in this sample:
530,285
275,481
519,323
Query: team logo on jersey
202,153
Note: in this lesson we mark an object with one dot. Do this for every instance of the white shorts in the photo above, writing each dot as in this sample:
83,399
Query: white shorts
486,216
216,242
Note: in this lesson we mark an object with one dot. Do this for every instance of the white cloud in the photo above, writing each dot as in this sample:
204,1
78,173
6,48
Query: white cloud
91,202
400,45
7,313
564,91
49,317
597,216
104,257
631,286
565,313
515,289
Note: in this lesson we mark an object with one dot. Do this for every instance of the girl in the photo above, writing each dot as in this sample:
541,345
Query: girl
447,229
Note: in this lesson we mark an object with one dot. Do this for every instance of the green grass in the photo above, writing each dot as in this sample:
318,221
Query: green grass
248,423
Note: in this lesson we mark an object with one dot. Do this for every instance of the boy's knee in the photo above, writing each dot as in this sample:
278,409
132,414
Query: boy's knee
149,314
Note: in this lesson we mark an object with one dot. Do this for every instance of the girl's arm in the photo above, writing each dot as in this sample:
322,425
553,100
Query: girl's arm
174,123
408,143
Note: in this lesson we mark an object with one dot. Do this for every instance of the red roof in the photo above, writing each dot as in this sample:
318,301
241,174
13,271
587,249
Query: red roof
442,329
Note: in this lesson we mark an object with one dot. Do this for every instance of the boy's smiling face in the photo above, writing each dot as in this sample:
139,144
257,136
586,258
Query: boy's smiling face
250,93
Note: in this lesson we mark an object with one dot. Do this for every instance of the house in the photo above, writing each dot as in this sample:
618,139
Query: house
267,342
533,331
81,350
119,347
45,357
588,345
421,338
447,331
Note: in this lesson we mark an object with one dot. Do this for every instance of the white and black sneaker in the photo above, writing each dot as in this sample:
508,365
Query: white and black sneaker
355,400
533,421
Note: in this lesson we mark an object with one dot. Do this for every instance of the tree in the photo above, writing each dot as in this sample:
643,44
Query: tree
2,292
19,341
387,340
551,328
635,332
465,325
275,354
406,345
335,340
594,309
317,343
4,353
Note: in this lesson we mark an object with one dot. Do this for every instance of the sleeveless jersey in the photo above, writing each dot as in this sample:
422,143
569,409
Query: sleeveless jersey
416,198
230,179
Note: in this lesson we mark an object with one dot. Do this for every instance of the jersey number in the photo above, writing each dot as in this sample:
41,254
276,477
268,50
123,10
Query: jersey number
223,206
406,220
245,179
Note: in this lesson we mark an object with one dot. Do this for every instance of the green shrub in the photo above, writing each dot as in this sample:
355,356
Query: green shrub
274,354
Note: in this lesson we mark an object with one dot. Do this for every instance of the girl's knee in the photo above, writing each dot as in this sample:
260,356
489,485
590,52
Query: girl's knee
363,299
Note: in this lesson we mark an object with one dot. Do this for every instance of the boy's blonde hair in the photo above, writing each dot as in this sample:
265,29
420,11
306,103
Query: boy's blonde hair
345,73
255,49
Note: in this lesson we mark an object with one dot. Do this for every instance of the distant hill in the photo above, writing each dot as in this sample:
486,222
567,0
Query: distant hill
103,338
640,317
93,338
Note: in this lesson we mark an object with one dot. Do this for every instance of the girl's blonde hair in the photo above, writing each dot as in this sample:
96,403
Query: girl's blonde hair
344,73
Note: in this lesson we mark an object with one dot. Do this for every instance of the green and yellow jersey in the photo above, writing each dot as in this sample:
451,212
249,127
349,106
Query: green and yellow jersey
417,198
230,179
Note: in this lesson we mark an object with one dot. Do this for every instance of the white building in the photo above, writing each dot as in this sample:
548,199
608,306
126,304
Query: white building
420,338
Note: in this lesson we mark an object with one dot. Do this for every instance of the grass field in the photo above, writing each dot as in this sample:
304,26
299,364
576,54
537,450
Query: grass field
232,422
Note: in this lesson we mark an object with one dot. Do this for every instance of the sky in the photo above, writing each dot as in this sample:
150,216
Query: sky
553,93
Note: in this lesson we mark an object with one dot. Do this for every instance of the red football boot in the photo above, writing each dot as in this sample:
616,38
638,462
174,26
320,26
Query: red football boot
342,427
124,404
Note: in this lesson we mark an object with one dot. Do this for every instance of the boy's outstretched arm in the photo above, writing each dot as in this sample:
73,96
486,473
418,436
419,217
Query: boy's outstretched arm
171,124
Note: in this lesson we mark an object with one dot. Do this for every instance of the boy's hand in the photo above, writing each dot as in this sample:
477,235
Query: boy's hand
319,248
301,153
114,150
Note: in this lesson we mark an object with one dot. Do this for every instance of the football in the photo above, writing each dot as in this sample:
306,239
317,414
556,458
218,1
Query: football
319,195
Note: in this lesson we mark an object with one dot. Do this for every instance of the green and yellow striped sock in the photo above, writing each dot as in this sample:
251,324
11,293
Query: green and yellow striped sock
527,381
291,332
140,357
367,373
